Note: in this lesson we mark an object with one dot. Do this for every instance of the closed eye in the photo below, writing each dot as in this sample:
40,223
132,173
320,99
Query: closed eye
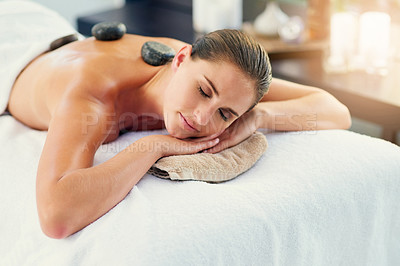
203,93
224,114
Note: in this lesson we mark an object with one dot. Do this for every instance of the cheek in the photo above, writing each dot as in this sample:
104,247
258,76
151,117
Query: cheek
215,125
180,96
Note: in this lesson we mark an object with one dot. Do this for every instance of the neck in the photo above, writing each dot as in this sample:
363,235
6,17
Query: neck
152,94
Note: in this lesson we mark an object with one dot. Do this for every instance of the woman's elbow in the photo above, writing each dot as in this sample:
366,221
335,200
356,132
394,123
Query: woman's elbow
52,225
338,115
56,231
53,220
344,117
338,119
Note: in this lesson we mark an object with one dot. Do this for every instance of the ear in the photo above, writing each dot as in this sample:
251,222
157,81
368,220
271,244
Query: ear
183,54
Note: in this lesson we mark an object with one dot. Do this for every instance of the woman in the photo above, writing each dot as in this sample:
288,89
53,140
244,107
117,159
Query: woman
86,92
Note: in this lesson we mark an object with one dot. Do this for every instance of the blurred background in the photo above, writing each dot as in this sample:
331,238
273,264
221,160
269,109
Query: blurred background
72,9
347,47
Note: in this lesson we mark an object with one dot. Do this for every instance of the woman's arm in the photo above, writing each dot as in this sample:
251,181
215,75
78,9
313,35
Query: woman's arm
71,193
288,107
293,107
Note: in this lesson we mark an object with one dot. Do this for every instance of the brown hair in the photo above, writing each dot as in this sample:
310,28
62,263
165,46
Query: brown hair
240,49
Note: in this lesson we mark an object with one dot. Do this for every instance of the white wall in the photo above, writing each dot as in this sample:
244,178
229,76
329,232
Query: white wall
71,9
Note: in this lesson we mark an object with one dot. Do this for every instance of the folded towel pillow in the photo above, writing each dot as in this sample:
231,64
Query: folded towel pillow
217,167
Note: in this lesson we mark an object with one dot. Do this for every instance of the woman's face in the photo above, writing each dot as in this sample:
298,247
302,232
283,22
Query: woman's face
203,97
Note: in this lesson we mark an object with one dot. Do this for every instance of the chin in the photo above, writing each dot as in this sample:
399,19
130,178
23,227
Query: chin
179,134
174,130
173,127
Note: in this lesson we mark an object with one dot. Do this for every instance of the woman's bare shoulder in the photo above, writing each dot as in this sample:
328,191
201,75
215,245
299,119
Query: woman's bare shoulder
140,40
93,69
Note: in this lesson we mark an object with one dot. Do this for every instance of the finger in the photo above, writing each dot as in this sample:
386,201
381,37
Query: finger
217,148
199,146
205,138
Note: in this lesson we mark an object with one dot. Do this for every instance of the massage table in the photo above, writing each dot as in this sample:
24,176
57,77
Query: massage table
314,198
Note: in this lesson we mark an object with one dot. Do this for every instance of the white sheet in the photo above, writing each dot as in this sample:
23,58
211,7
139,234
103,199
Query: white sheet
315,198
26,31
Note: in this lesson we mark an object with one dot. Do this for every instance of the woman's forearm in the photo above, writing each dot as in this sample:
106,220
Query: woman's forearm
79,197
315,111
82,196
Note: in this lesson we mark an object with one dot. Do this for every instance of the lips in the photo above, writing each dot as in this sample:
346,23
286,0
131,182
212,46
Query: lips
188,125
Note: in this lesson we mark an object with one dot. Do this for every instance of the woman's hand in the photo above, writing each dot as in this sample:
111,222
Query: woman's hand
167,145
238,131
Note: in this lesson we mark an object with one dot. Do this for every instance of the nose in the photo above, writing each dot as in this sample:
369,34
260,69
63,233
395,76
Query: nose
203,115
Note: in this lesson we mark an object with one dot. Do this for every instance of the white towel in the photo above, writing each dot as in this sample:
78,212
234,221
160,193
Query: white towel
214,168
325,198
26,31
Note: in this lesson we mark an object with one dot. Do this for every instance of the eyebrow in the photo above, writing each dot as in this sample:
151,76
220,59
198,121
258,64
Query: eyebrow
216,92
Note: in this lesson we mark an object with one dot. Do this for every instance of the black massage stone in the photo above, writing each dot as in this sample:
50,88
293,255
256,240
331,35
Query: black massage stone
108,31
63,41
157,54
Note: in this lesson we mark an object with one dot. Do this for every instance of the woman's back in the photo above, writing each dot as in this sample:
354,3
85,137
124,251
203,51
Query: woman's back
93,69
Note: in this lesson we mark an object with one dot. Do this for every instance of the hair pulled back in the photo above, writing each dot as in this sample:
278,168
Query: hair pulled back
240,49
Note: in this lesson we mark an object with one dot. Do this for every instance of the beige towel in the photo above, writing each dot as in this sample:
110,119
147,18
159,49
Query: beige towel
209,167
